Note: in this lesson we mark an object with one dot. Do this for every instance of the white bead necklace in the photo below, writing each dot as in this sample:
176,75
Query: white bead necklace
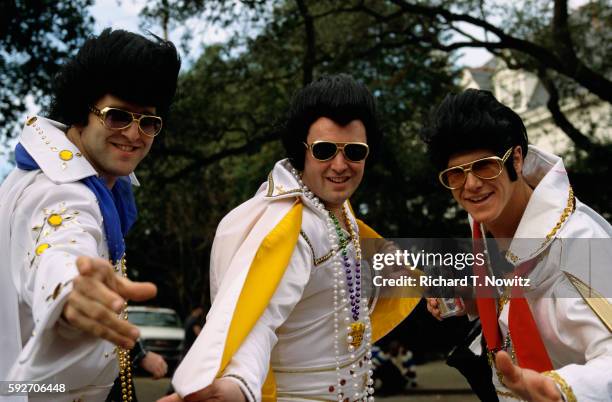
357,329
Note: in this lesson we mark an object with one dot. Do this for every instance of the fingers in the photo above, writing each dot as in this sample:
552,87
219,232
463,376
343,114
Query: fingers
102,271
549,391
432,307
171,398
98,268
528,384
137,291
512,374
96,301
94,289
85,315
98,296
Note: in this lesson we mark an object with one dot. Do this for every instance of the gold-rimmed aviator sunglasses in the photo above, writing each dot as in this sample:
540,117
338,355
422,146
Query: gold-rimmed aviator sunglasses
327,150
119,119
488,168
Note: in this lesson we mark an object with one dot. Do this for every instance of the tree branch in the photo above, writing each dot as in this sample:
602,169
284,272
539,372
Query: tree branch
309,55
577,137
579,72
202,162
561,33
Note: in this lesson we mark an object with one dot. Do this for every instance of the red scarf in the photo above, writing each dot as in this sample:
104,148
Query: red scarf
528,345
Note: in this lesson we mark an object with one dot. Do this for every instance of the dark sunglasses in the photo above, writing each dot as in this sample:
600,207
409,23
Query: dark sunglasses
326,150
119,119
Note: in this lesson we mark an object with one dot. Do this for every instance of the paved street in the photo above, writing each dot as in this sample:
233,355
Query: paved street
437,382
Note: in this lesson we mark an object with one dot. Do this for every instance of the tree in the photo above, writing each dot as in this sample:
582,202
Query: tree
222,139
541,38
35,36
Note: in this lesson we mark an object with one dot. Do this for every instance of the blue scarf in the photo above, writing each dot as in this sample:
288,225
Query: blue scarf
117,205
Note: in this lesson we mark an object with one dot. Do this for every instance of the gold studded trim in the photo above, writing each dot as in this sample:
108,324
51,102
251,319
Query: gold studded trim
278,190
243,382
57,290
513,257
326,257
567,211
564,387
270,185
599,304
64,155
507,394
55,220
285,192
41,248
315,260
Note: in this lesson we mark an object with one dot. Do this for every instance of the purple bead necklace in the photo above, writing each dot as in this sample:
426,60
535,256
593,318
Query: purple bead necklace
353,279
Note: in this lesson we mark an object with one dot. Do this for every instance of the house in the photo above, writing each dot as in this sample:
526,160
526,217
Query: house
524,93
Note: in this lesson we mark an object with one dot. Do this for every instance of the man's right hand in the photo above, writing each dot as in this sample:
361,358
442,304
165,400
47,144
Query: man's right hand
221,390
433,308
97,298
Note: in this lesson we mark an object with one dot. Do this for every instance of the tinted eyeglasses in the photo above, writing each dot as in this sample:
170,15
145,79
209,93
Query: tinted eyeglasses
326,150
119,119
488,168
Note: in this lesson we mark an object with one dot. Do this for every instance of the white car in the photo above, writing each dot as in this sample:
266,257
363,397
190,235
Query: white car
161,331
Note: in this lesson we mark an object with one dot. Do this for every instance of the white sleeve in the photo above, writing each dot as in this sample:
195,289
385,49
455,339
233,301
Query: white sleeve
249,365
54,224
583,335
581,329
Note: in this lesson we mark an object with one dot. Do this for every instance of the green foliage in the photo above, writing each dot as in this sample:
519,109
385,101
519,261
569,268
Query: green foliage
222,139
35,36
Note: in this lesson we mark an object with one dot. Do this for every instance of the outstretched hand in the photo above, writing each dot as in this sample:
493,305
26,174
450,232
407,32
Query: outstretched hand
221,390
98,296
525,383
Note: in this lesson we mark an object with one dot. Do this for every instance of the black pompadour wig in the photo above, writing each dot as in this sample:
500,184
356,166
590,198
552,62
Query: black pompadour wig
337,97
120,63
470,120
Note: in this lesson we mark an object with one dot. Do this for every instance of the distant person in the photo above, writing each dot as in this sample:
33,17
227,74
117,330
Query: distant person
193,326
550,341
394,369
69,196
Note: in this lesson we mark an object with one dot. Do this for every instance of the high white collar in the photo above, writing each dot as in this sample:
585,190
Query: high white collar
59,159
546,173
282,183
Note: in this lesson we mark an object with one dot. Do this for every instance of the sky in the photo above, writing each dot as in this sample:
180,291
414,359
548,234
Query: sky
125,14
